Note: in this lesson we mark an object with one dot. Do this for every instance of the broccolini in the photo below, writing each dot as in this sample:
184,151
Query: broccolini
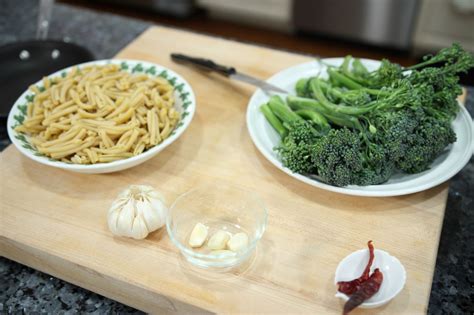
359,127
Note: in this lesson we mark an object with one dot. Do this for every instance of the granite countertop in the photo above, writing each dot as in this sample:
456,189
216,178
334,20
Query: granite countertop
26,290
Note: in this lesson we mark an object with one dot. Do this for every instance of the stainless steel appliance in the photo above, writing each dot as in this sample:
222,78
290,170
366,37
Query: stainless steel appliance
388,23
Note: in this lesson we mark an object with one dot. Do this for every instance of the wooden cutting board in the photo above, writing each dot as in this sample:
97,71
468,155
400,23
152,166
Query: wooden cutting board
55,220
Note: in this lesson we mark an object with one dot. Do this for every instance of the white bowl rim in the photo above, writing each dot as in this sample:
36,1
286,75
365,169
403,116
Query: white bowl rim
114,164
374,303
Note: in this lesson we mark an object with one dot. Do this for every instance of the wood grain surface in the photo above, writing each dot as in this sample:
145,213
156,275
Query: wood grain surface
55,220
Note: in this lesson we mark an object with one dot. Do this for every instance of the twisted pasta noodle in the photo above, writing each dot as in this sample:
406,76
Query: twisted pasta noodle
99,114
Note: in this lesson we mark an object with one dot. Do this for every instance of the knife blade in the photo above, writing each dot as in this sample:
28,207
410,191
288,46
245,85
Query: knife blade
230,72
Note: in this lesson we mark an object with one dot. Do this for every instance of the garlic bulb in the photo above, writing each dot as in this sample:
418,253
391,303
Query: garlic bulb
137,211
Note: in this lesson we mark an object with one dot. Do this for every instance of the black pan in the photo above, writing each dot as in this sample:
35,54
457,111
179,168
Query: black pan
24,63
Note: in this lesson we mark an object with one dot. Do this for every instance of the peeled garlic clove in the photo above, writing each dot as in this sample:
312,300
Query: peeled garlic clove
198,235
238,242
223,252
218,240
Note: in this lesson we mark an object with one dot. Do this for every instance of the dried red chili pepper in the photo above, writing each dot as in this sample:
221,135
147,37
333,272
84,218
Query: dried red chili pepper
366,290
350,287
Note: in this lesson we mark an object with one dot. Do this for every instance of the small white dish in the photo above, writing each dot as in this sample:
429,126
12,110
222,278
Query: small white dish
185,104
448,164
394,275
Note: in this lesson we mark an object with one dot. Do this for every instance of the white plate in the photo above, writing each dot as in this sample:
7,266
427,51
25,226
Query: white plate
443,168
394,275
185,103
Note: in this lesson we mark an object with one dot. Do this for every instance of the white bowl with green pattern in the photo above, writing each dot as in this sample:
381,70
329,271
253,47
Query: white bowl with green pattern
185,104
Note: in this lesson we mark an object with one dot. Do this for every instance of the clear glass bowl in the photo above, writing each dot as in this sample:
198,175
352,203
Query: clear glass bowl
219,207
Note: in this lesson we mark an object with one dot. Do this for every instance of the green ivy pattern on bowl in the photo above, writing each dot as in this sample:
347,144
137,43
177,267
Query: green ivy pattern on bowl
180,89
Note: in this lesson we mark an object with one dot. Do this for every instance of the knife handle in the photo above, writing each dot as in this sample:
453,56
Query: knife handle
205,64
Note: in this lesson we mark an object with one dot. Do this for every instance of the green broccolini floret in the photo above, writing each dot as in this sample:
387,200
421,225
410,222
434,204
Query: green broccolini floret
395,129
444,88
301,131
385,75
337,157
429,140
375,171
296,148
333,156
453,58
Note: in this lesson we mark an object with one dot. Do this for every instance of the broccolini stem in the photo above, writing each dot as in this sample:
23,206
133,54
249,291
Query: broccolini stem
359,68
353,75
428,62
345,63
449,55
301,86
340,119
315,85
314,116
377,92
344,80
281,110
297,103
273,120
421,65
327,88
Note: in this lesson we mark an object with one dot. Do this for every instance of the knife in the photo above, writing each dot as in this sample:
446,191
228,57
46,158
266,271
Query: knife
230,72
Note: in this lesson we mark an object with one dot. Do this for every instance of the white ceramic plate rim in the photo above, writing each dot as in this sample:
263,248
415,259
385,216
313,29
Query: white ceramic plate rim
452,164
115,164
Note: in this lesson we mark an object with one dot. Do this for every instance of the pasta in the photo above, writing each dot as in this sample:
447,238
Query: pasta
99,114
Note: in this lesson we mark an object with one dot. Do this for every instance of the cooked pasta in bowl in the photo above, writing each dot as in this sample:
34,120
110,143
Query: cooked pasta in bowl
101,116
